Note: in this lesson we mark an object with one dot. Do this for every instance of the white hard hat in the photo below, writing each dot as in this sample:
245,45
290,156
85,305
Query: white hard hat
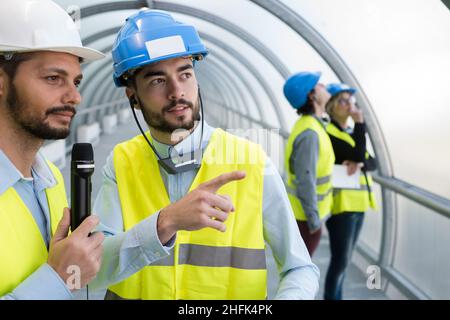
40,25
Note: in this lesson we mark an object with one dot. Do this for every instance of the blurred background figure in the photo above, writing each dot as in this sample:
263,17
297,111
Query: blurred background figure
349,205
309,156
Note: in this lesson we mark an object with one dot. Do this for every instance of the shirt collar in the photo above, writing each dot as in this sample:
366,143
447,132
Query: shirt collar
321,121
187,145
10,175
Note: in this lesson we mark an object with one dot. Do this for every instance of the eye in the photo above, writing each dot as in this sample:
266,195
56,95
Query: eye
52,79
186,75
77,83
156,81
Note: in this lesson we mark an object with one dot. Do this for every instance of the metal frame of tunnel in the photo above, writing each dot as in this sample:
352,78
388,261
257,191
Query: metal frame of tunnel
238,57
99,92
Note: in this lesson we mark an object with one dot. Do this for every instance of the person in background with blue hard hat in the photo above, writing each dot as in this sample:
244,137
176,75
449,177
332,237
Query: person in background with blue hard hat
349,205
309,156
182,171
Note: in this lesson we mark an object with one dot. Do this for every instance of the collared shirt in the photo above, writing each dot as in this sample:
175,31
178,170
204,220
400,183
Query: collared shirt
31,190
123,255
298,275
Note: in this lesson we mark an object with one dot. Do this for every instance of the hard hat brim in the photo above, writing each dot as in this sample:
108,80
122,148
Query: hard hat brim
87,54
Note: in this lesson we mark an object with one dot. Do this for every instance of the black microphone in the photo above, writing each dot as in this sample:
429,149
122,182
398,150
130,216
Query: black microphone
82,168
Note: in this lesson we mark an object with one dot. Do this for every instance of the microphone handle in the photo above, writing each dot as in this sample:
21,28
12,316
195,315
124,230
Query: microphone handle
80,200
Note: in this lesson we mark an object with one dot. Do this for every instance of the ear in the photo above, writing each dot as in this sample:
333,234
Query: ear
131,94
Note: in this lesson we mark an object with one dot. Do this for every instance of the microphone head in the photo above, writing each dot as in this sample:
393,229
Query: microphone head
82,152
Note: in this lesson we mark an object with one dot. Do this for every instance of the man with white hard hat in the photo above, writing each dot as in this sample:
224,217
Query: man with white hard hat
40,56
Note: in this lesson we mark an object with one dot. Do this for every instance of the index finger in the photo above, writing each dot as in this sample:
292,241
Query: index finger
215,184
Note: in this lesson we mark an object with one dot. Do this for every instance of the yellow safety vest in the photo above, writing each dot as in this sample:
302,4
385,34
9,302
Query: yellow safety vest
352,200
22,248
323,172
205,264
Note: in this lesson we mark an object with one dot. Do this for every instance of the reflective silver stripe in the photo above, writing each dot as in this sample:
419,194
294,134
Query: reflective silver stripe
210,256
323,180
113,296
362,187
319,181
320,197
167,261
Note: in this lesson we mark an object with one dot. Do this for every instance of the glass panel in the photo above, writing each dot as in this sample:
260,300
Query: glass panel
372,227
422,251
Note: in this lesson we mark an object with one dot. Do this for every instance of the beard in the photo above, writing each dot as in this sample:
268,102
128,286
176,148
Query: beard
37,127
157,121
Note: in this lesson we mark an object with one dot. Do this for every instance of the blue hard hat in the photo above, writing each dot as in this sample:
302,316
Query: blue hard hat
298,86
336,88
150,36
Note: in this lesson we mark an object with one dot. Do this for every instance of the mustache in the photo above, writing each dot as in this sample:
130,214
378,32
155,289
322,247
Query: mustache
175,102
61,109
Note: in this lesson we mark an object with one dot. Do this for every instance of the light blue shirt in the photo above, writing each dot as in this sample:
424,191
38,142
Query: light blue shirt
123,254
298,275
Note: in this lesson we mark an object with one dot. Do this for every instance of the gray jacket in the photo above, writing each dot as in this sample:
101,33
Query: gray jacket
303,162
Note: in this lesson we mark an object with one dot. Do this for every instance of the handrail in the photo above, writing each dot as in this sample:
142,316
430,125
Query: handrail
100,107
283,133
426,198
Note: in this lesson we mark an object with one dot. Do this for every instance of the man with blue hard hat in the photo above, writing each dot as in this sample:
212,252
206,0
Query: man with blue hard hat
309,156
182,171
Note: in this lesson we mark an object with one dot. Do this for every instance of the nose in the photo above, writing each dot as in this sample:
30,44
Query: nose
176,90
72,96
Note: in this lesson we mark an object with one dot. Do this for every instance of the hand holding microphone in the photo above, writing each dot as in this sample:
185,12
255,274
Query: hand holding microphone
80,249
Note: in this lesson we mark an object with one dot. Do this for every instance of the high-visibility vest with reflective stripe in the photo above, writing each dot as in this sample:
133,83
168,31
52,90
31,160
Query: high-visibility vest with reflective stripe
323,171
352,200
205,264
22,248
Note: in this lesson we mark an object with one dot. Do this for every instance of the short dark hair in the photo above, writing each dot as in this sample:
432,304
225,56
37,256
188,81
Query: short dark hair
11,65
131,82
307,108
130,77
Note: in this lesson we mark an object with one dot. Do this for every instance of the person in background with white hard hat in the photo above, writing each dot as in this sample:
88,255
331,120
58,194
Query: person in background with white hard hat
349,205
309,156
40,54
185,170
